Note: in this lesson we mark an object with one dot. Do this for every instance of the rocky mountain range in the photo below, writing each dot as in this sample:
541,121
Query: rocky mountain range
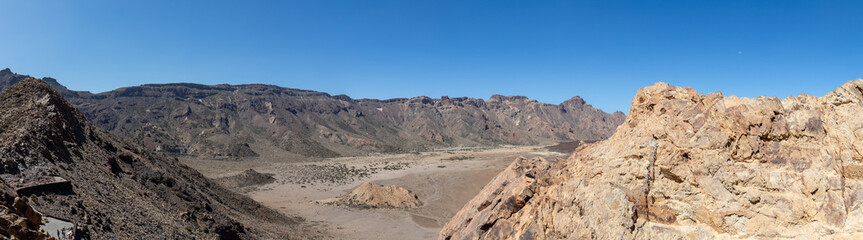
686,165
226,121
55,163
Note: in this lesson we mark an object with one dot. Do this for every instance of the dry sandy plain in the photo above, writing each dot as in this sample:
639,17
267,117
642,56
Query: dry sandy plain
444,180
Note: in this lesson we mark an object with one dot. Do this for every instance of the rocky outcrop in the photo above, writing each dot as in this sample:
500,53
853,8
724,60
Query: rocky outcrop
370,195
485,216
685,165
235,121
18,220
246,178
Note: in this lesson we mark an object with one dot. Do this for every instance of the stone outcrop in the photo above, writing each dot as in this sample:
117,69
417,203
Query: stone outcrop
370,195
34,219
18,220
685,165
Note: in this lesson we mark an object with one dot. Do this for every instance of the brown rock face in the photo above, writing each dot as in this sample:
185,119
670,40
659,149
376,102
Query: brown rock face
34,219
487,215
725,167
18,220
370,195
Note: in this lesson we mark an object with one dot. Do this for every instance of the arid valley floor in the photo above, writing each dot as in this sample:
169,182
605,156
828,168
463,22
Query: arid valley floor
444,180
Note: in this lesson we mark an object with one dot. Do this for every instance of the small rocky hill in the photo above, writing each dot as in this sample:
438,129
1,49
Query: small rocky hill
246,178
116,189
228,121
686,165
370,195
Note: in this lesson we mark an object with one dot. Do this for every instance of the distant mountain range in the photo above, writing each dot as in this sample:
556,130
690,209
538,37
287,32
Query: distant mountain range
227,121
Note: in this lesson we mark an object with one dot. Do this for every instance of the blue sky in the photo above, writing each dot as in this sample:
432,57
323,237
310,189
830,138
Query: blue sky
547,50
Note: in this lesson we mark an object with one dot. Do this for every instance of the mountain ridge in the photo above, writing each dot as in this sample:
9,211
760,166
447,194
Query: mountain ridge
225,86
235,121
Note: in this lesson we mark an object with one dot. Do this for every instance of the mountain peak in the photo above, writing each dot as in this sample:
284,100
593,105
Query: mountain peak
36,95
31,112
575,101
8,78
33,83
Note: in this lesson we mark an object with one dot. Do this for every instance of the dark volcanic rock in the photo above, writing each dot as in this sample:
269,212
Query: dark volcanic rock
234,120
119,190
567,147
246,178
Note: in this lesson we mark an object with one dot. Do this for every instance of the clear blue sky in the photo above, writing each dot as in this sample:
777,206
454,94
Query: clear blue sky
548,50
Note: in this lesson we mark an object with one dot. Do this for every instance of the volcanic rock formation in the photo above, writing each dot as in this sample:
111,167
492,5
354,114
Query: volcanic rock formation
691,166
118,190
370,195
229,121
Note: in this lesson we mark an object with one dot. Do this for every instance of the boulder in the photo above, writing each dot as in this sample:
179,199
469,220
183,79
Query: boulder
370,195
34,218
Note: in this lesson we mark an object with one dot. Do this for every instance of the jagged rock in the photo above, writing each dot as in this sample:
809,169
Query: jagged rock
34,219
370,195
724,168
18,220
505,195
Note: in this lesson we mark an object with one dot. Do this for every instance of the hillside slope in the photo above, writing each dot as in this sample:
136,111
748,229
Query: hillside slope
118,190
250,120
691,166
